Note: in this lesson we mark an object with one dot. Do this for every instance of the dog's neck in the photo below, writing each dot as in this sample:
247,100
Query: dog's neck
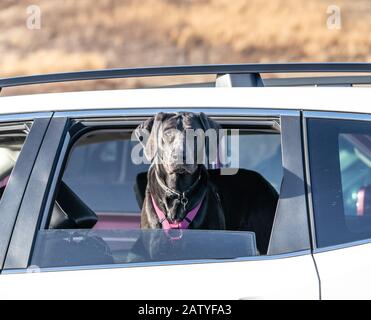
181,182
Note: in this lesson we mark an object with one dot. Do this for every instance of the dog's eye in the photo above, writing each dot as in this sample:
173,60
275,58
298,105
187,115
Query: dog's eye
168,134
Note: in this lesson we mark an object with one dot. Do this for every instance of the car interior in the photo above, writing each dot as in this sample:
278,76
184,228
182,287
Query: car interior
10,148
355,164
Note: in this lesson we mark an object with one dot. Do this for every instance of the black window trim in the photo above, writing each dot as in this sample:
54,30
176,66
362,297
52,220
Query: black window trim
336,116
64,125
35,124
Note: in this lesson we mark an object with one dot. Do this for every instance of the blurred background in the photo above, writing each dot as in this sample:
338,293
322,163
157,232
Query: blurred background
42,36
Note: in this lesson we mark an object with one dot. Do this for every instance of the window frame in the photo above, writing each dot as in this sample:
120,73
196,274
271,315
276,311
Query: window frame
67,127
332,116
14,191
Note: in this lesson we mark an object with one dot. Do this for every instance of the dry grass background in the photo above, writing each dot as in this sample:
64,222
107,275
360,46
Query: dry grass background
87,34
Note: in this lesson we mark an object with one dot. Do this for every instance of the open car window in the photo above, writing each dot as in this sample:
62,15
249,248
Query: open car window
101,181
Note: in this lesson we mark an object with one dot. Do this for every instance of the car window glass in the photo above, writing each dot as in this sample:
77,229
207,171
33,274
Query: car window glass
56,248
10,148
340,161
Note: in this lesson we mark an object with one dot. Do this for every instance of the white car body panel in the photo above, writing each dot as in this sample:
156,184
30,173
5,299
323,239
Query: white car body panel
325,99
283,278
345,273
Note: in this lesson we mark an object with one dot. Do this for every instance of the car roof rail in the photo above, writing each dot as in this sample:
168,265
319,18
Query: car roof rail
227,74
239,80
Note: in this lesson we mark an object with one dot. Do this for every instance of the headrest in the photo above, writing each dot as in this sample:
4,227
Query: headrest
241,182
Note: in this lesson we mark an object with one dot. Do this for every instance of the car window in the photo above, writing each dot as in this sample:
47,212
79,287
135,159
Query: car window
340,162
56,248
101,180
10,148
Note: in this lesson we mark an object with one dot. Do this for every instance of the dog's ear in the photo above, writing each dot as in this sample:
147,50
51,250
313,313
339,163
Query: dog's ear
207,123
147,134
213,160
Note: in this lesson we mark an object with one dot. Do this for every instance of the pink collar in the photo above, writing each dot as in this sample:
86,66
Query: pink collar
184,224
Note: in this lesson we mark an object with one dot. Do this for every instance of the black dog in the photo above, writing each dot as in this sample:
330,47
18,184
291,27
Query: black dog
245,202
175,186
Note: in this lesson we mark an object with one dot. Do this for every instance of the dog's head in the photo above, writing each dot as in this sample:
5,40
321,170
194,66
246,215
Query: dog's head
177,140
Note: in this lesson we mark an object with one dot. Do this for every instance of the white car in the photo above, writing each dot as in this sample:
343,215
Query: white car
70,194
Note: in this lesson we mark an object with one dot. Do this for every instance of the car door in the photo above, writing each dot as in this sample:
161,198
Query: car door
339,169
287,271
